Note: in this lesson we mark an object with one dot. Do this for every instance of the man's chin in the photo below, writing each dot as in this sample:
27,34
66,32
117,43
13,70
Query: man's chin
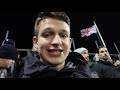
55,63
105,58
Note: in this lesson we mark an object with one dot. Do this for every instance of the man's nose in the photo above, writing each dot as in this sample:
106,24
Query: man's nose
56,40
88,55
105,53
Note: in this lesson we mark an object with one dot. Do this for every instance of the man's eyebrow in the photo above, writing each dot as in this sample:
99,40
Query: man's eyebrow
64,31
47,29
102,51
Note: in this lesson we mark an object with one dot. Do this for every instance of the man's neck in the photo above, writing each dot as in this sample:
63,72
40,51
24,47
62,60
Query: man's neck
56,67
60,66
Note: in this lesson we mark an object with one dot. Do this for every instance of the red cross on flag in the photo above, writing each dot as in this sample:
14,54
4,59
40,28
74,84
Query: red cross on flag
88,31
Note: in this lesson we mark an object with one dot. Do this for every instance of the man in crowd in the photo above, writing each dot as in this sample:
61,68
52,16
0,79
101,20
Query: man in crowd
8,61
105,66
85,54
52,37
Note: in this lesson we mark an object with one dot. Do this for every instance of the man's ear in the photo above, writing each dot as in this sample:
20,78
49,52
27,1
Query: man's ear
70,42
35,40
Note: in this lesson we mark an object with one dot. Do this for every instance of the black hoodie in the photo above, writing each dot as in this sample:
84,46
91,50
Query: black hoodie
34,68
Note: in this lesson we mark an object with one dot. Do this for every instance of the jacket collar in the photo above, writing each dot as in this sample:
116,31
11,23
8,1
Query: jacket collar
33,64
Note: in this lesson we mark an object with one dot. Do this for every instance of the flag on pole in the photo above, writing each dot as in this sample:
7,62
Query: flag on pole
88,31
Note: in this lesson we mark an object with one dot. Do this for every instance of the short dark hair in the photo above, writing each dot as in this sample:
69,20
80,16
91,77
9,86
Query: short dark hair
57,15
100,48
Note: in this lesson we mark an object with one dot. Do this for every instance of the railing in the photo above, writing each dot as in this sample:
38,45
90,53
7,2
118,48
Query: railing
110,54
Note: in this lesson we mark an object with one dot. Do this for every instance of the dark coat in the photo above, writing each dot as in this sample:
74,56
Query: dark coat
104,69
11,72
34,68
82,64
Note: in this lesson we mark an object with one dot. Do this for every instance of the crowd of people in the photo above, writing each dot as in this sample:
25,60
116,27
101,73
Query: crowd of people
51,55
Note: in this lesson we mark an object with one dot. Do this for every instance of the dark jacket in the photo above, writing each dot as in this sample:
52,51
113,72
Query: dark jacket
34,68
82,65
104,69
11,72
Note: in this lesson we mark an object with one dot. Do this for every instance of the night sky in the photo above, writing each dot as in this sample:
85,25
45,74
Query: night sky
21,24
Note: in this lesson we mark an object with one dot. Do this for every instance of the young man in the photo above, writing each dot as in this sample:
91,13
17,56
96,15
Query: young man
106,67
52,37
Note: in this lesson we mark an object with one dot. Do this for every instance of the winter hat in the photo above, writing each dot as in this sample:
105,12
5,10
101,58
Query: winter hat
80,50
8,51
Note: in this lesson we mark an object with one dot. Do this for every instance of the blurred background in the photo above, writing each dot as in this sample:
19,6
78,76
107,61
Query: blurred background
21,28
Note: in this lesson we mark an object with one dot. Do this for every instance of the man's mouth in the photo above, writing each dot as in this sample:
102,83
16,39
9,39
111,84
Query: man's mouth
55,52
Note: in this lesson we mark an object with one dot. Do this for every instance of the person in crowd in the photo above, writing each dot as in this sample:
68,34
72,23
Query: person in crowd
8,61
52,37
85,54
35,48
105,66
22,60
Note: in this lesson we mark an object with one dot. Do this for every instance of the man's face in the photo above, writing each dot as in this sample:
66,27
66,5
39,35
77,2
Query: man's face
6,63
85,54
53,41
103,53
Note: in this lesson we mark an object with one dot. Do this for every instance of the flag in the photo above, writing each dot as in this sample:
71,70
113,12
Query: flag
88,31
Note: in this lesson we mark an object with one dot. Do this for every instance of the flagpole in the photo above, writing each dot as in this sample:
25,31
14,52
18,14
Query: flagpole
96,43
99,39
73,44
116,48
100,36
5,37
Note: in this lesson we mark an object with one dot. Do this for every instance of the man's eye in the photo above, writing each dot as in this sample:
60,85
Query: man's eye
64,35
106,51
47,35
